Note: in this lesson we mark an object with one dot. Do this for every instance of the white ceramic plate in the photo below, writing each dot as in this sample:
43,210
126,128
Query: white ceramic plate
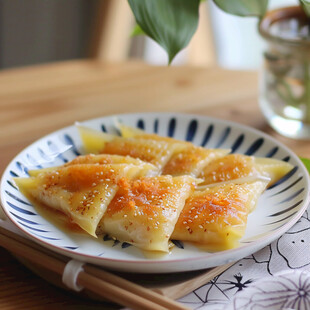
278,208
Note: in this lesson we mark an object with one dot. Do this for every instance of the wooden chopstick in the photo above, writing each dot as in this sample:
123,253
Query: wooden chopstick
175,290
119,291
155,297
134,288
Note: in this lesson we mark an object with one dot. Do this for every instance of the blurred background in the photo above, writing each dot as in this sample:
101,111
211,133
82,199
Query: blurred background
37,31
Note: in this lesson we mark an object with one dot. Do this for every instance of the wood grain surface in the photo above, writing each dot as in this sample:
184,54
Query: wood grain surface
35,101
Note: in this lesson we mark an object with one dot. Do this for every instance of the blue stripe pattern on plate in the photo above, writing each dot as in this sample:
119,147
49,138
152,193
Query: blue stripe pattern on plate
23,219
191,131
237,143
207,135
68,139
223,137
56,151
171,127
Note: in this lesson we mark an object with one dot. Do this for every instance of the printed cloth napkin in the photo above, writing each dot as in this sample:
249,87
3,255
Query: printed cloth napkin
276,277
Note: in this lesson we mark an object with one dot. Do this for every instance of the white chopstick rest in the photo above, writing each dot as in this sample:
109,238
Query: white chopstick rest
70,274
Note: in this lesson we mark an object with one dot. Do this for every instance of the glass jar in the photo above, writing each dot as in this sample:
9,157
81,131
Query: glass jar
285,81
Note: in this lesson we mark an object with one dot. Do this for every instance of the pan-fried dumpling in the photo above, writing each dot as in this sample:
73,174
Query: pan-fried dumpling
156,152
81,192
235,166
188,159
174,157
146,169
104,159
93,140
216,217
191,160
144,211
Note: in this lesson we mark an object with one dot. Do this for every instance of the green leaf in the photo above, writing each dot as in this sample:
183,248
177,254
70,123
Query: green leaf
137,31
243,7
305,4
306,162
171,23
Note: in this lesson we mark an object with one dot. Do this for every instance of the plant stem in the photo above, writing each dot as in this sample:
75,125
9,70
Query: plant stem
307,91
286,94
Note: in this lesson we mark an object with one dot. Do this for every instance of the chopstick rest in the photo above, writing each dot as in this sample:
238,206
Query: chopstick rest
71,273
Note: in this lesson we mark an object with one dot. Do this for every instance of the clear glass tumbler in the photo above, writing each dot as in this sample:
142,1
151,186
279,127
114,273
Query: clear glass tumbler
285,79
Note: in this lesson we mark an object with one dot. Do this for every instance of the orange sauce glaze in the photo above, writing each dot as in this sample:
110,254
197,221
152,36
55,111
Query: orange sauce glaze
185,161
76,177
146,150
229,167
89,159
144,198
215,210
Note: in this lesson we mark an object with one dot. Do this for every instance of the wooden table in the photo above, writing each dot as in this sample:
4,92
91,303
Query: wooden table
35,101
